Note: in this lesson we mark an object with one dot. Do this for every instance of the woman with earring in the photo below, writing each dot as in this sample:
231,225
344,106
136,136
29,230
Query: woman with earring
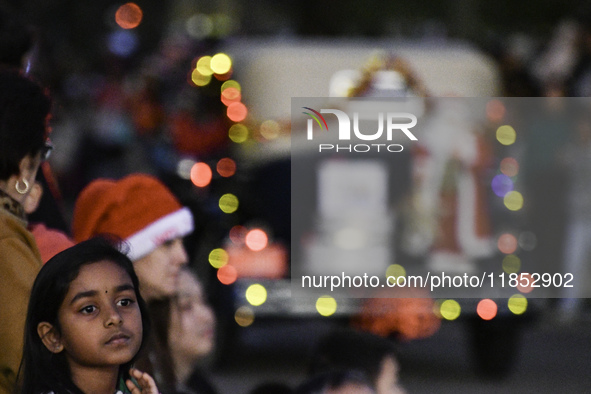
24,113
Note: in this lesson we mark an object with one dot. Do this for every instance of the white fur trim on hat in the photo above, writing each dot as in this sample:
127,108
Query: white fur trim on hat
174,225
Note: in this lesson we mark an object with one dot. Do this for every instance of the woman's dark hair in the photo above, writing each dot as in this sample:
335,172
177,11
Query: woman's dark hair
24,111
160,314
41,370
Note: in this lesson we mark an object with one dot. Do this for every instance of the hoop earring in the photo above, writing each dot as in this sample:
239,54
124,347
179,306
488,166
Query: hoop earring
20,190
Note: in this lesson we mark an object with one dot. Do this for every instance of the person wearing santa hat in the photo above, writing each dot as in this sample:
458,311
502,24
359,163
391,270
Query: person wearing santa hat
143,212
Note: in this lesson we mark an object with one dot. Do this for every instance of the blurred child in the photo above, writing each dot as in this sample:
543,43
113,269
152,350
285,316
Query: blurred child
185,328
85,324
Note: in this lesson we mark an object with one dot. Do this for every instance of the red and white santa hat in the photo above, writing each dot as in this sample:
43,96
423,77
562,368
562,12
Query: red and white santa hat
138,209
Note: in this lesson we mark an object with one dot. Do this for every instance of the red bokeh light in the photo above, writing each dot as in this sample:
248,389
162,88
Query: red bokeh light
238,234
226,167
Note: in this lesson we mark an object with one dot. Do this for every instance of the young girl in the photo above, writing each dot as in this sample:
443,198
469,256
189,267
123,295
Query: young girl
85,324
184,328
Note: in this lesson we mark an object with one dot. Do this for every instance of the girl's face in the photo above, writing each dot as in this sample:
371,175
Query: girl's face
191,333
158,272
100,318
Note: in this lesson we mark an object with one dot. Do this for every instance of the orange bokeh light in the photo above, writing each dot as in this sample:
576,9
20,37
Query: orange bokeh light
487,309
129,16
201,174
237,112
227,274
256,240
226,167
507,243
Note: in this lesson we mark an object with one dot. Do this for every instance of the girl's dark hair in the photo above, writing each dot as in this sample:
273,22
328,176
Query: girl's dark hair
24,111
41,370
161,366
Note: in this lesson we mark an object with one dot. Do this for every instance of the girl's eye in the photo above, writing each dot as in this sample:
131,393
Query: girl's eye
88,309
125,302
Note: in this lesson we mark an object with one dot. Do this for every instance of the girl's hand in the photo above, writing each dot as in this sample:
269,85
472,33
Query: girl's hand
145,382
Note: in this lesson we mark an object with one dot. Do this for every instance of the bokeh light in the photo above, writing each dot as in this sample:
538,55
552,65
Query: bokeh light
238,133
393,272
183,168
506,135
501,185
517,304
507,243
218,258
128,16
326,305
199,79
237,112
203,66
230,95
224,25
231,84
270,129
437,308
513,201
244,316
525,283
227,274
224,77
486,309
528,241
450,309
509,166
201,174
495,110
511,264
226,167
199,26
256,294
238,234
122,43
221,63
256,240
228,203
